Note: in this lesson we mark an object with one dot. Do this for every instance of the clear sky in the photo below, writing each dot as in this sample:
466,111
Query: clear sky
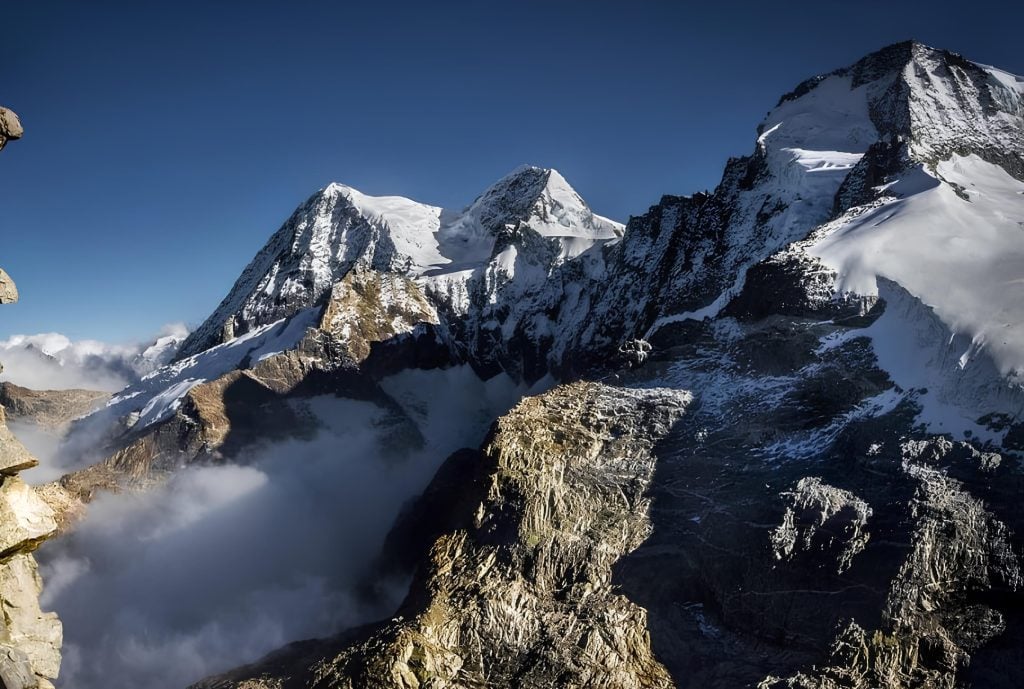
165,142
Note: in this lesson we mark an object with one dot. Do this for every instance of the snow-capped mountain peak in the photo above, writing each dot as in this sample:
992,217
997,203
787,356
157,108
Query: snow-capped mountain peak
542,198
934,100
340,228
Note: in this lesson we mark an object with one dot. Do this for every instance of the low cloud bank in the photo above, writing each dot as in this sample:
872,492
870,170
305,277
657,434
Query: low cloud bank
51,361
224,563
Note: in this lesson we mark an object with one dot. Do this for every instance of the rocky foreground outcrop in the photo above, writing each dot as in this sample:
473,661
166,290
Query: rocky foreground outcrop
30,639
521,592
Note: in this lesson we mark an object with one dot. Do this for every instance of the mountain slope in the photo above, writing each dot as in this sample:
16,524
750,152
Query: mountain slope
340,229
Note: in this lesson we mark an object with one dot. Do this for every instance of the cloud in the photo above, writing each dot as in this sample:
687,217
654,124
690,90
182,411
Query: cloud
222,564
52,361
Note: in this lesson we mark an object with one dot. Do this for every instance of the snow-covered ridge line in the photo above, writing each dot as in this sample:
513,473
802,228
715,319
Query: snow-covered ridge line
158,395
493,271
341,228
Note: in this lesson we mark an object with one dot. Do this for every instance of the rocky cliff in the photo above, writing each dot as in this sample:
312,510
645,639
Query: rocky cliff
30,639
521,593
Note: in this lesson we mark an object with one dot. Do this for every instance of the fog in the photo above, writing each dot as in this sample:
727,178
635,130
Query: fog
224,563
44,444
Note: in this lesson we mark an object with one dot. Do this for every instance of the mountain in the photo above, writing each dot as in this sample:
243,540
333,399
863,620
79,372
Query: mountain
773,436
353,288
339,230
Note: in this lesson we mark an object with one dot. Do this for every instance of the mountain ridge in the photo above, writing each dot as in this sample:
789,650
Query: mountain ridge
396,235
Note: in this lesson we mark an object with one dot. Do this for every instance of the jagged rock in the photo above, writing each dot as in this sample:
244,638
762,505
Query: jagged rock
793,284
15,669
932,622
13,455
25,520
10,128
8,290
563,501
635,352
822,518
367,307
30,639
36,633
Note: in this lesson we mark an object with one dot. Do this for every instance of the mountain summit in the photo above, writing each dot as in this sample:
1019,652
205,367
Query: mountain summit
340,229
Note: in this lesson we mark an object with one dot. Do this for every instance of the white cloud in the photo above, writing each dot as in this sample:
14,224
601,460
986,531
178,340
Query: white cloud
52,361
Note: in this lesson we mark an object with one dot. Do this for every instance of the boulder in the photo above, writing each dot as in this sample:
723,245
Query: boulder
25,519
8,291
10,126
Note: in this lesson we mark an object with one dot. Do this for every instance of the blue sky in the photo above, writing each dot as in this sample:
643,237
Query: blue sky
165,142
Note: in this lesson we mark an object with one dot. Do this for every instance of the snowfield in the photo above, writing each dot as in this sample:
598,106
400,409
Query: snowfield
962,253
158,395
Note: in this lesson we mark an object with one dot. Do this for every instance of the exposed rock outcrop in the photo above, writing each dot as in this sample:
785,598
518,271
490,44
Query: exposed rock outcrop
8,290
50,409
822,517
936,615
30,639
10,127
522,593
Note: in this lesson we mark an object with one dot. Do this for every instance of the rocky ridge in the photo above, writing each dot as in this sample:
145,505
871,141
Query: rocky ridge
30,639
50,409
521,593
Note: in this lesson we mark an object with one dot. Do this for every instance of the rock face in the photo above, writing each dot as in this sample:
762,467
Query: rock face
8,290
30,639
822,517
51,409
10,126
933,620
562,498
